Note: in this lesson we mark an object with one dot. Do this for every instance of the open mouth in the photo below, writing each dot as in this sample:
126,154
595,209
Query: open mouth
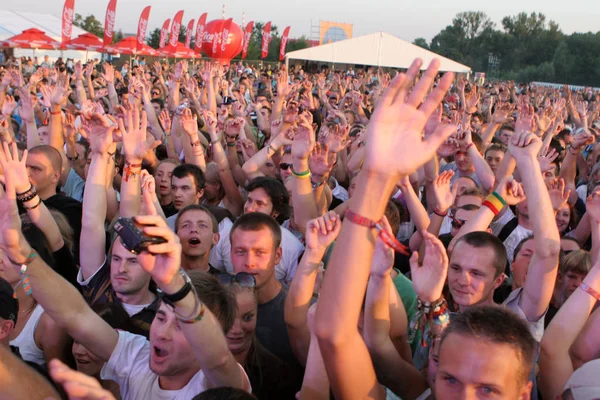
160,353
82,362
194,241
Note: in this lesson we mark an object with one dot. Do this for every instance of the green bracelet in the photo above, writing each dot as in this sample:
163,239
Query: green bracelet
300,174
496,195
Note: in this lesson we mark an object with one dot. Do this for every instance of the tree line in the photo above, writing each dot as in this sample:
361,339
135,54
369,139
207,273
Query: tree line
527,48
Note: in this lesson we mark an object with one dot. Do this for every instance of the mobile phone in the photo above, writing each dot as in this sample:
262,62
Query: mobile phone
133,238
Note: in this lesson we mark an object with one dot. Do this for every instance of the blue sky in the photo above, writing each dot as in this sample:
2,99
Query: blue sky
407,20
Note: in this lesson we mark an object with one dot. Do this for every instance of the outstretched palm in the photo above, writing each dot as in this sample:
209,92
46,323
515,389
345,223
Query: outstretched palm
395,145
429,278
134,138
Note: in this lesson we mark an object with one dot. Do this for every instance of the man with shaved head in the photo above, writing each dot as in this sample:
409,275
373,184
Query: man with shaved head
44,166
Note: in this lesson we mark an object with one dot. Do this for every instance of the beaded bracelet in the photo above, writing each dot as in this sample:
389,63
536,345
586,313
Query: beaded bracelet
35,206
428,313
128,170
23,272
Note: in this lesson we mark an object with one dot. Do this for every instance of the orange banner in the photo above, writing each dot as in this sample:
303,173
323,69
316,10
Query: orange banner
334,32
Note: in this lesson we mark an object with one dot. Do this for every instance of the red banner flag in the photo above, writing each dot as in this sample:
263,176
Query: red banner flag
284,39
109,22
142,27
164,33
247,36
188,33
67,20
175,28
225,34
266,39
200,32
216,37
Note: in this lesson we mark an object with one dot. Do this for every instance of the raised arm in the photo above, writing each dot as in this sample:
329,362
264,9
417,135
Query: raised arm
392,369
320,234
60,300
28,117
57,96
541,275
395,148
189,125
109,77
252,167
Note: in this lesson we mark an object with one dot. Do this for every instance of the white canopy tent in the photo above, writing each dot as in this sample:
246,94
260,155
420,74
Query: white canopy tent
14,22
378,49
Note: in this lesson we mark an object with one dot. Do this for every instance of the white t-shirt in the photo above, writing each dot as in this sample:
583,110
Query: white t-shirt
129,366
514,239
292,249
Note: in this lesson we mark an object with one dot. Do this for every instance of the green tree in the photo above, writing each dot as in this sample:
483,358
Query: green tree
154,38
421,42
89,23
117,36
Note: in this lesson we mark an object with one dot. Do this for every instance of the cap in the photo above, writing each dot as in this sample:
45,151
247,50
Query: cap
583,383
9,305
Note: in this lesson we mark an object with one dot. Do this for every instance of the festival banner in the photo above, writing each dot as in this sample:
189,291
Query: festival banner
225,34
200,32
175,28
284,39
67,20
331,32
216,36
266,39
142,27
188,33
164,33
109,22
247,37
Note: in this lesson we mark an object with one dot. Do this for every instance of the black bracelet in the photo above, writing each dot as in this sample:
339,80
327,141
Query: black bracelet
73,158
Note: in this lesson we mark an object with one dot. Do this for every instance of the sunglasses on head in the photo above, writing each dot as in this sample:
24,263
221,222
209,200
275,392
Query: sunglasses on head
457,223
284,166
244,279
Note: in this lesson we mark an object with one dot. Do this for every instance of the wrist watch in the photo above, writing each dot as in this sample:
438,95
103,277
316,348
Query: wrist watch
179,295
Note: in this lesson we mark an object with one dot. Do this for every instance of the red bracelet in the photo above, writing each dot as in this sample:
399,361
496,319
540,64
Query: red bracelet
384,235
128,170
583,286
469,146
439,214
55,112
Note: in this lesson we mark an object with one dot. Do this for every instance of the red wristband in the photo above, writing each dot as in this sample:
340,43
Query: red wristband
583,286
384,235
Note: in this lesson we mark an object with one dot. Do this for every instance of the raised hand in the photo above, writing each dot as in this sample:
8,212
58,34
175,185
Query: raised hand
189,124
321,232
165,120
321,160
501,112
211,124
69,131
8,106
276,125
429,278
15,170
134,137
25,110
395,146
89,70
304,140
592,205
336,137
511,191
77,385
98,130
443,194
524,121
471,101
109,73
558,195
148,189
524,145
162,261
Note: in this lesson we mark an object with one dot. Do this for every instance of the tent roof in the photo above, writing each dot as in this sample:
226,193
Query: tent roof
377,49
15,22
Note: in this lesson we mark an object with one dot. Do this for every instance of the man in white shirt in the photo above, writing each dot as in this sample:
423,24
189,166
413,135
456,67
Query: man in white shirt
267,196
187,352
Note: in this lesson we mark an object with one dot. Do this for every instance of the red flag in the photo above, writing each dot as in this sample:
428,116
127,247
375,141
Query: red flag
175,28
284,40
164,33
200,32
142,27
109,22
216,37
266,39
247,36
225,34
67,20
188,33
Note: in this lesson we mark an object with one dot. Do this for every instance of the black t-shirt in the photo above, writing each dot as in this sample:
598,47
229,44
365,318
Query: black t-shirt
270,377
169,210
271,329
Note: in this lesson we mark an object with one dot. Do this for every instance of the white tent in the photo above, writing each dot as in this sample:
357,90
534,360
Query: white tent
377,49
14,22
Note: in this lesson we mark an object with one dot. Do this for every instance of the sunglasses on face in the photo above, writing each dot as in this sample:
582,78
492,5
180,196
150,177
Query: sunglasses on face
285,166
458,223
244,279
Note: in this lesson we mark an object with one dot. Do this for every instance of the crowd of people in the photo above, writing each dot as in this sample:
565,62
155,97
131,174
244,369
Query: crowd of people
199,231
